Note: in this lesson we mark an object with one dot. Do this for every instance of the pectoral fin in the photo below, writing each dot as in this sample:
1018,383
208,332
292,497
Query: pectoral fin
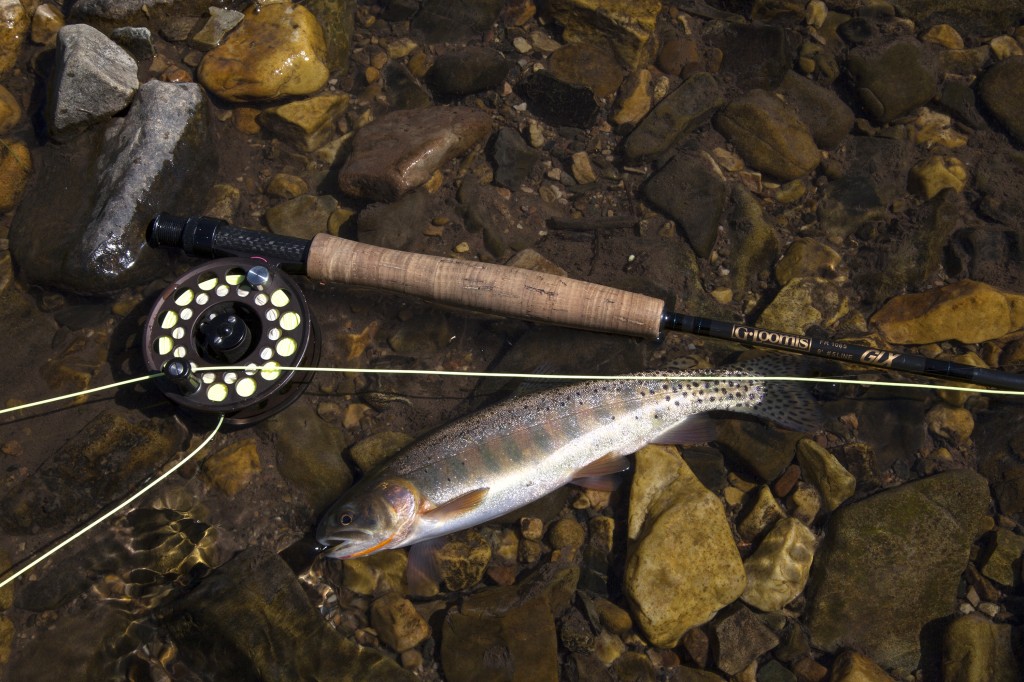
452,509
421,572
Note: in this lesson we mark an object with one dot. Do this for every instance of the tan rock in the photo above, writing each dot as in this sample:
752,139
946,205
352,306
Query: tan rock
764,512
851,666
934,174
375,574
397,622
634,100
806,257
802,303
286,186
277,51
47,20
822,470
10,110
590,65
967,311
777,571
15,169
308,123
975,649
953,423
6,639
14,27
682,519
582,171
233,467
1004,47
944,35
625,26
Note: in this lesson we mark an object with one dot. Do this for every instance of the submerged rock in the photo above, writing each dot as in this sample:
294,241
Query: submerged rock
471,69
740,638
777,571
250,619
401,150
277,51
893,80
1001,89
891,563
680,517
976,649
624,26
14,24
688,191
93,79
83,230
684,109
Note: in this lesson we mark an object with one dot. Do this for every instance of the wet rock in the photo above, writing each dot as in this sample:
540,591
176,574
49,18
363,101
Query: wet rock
93,79
893,80
93,468
455,21
680,56
851,666
303,217
589,65
976,649
401,150
46,21
10,110
891,563
681,111
634,98
212,33
14,25
137,40
986,18
753,55
825,114
6,639
954,424
514,159
756,245
824,472
308,123
158,155
967,311
76,643
762,513
1002,558
377,573
1000,89
566,534
507,225
462,560
804,302
688,191
740,638
404,90
807,257
233,467
768,136
778,570
678,516
508,632
397,623
759,448
250,619
309,454
397,225
277,51
468,70
557,102
936,173
15,169
625,27
337,20
374,449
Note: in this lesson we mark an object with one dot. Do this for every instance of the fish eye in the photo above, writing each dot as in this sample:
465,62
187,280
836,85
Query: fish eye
346,519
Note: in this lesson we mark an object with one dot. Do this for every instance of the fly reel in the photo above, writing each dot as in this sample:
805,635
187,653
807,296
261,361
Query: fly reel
240,312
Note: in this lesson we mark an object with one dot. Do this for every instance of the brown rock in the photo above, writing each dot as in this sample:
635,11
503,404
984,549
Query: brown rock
10,110
397,622
307,124
401,150
624,26
589,65
15,168
14,26
277,51
768,136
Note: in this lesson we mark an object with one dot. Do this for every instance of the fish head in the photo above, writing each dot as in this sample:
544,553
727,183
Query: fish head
368,519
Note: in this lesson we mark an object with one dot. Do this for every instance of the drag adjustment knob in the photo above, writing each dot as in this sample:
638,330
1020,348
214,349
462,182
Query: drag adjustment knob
225,338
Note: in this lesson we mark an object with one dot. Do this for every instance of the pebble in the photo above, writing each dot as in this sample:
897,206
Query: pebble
740,638
826,116
1004,47
514,159
15,170
566,533
684,109
966,311
397,622
47,20
954,424
212,33
778,570
804,302
375,574
824,472
401,150
762,513
304,217
936,173
768,136
676,514
807,257
945,36
307,124
589,65
286,186
232,468
471,69
851,666
277,51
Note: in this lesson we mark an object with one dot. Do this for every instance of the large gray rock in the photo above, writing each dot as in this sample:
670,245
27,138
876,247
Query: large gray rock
891,564
82,227
689,192
93,79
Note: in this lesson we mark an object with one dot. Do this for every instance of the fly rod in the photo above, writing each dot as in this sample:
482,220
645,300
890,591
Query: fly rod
514,292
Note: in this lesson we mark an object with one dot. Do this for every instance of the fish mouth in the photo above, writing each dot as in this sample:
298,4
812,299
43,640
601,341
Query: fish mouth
348,547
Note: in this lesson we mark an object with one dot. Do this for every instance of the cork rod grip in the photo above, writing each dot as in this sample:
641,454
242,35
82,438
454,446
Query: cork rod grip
485,287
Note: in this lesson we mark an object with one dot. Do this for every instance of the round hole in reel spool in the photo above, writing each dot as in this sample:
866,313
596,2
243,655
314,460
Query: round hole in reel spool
219,314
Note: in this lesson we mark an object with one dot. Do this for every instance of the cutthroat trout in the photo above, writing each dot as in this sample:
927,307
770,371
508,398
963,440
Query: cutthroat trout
504,457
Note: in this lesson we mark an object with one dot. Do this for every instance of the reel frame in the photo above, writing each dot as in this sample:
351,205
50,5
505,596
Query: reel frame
232,311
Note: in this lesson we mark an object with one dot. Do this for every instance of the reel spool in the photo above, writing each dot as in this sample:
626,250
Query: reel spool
232,311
